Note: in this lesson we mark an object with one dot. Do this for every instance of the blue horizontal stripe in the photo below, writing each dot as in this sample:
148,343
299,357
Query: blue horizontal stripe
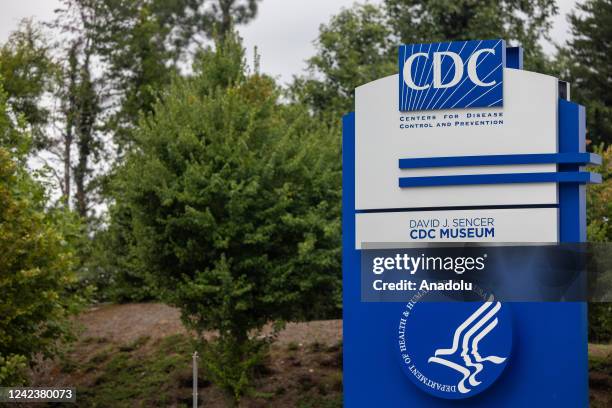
467,179
501,159
456,208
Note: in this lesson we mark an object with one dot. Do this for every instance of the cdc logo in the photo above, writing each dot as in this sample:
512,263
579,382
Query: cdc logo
463,74
454,350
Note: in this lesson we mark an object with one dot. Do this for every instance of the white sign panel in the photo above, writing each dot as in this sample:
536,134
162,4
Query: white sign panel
503,225
383,135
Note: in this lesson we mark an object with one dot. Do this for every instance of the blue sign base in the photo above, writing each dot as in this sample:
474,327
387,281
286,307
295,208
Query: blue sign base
549,364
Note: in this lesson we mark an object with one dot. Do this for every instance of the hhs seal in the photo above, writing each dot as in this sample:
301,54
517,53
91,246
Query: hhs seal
454,350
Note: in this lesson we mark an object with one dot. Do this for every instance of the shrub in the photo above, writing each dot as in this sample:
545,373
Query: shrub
599,211
36,265
235,207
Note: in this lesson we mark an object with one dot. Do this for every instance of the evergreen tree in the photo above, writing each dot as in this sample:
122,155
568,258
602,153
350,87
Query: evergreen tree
522,23
360,44
143,45
588,56
36,261
599,230
223,15
234,207
356,47
28,71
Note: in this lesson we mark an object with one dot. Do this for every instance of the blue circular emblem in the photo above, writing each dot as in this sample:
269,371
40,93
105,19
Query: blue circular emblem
454,350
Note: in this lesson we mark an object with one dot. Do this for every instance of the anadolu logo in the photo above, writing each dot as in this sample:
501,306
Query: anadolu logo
454,350
451,75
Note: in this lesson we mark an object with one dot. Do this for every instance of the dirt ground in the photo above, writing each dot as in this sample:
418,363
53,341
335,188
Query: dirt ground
304,370
600,375
128,322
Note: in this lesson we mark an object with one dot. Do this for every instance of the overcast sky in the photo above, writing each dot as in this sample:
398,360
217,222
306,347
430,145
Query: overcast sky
283,31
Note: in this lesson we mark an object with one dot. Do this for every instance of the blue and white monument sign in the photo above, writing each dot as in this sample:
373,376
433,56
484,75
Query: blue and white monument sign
461,146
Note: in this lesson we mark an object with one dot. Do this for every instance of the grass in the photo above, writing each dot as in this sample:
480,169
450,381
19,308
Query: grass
600,364
320,402
122,377
149,373
158,373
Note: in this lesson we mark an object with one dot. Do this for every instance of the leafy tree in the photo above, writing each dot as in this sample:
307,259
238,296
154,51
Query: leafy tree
587,55
36,263
28,71
599,208
599,204
223,15
234,208
520,22
86,111
143,44
586,58
134,40
356,47
113,266
360,44
137,48
77,141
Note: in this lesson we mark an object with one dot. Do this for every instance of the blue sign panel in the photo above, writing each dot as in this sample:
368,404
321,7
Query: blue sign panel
451,75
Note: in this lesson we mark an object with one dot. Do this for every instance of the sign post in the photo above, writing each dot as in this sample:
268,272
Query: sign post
462,146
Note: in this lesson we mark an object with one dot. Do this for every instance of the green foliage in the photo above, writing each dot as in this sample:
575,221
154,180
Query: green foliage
520,22
587,56
223,15
359,44
321,402
356,47
599,209
28,71
128,377
36,264
234,203
13,369
139,54
112,266
137,48
599,199
231,364
600,322
144,43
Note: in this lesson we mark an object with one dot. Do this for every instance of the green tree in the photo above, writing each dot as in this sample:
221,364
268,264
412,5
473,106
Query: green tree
36,263
113,265
356,47
28,71
77,143
224,15
235,208
137,48
599,204
134,41
85,110
599,230
520,22
39,76
143,44
359,44
587,56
